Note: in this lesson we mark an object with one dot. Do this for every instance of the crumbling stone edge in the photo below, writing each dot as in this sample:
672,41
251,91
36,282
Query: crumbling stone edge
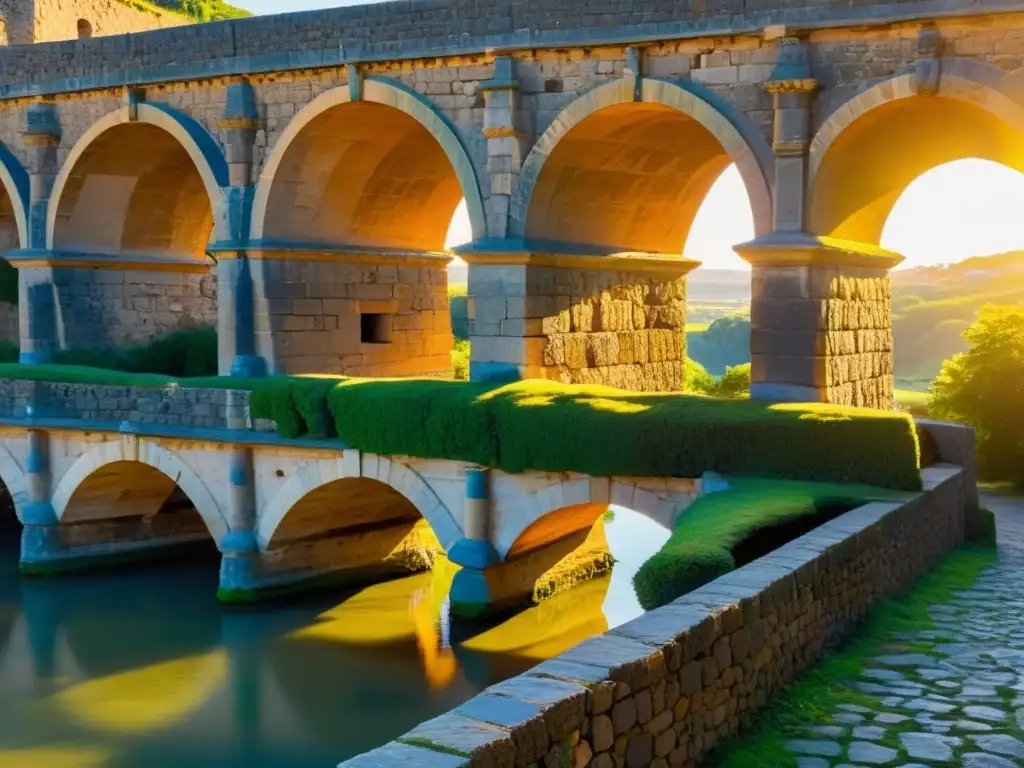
666,688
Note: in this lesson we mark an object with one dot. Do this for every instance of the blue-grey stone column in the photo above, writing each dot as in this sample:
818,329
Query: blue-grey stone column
39,534
37,308
240,553
239,125
470,595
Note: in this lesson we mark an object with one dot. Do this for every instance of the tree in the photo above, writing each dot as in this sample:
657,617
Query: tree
726,342
698,380
984,387
735,382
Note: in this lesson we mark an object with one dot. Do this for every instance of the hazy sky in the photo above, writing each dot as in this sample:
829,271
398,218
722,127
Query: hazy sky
966,208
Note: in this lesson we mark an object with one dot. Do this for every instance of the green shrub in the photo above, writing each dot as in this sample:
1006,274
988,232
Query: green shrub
272,399
702,546
8,282
735,382
428,419
9,353
674,571
460,360
547,426
182,354
698,380
602,431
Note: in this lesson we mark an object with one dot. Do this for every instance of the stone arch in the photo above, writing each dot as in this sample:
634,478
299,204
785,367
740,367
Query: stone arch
156,210
15,480
123,458
15,182
394,128
872,147
399,481
706,136
572,504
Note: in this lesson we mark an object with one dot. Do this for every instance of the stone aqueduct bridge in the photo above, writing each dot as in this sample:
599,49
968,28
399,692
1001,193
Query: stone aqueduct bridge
95,481
318,157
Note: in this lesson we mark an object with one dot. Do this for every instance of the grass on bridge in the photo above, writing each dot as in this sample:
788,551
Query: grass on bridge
722,531
543,425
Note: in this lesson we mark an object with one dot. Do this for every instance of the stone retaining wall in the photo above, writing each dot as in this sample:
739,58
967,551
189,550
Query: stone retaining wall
666,688
173,406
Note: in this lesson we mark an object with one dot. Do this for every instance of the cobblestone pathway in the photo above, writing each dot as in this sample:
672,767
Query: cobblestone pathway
956,701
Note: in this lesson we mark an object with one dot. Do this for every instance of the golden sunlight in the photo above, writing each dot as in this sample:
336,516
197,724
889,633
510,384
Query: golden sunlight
144,699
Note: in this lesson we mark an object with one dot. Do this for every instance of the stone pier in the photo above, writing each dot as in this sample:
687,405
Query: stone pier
616,319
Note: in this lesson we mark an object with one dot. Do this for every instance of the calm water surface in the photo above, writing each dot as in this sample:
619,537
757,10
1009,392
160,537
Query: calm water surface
142,668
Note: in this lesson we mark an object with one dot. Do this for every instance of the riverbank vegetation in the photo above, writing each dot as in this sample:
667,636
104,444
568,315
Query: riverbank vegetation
982,387
722,531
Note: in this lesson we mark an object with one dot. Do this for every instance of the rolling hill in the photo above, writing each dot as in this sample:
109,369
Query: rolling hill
200,10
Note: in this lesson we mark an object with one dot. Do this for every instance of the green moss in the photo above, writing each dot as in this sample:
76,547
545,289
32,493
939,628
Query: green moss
432,745
545,426
602,431
812,699
80,374
571,571
703,545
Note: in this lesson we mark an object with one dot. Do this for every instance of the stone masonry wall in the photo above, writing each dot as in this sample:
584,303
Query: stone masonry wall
824,329
440,26
172,406
58,19
112,307
44,21
309,317
663,690
578,326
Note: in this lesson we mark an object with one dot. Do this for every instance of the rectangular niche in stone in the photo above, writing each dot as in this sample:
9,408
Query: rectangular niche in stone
375,328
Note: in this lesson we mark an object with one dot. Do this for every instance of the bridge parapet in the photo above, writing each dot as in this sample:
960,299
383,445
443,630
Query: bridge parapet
388,31
109,405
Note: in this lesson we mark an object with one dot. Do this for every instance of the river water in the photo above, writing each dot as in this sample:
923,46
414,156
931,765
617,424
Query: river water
141,668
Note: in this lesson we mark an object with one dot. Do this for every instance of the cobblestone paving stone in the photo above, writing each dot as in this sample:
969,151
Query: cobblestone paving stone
956,699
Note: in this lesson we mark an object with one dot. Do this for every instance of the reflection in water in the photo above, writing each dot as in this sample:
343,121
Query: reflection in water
142,667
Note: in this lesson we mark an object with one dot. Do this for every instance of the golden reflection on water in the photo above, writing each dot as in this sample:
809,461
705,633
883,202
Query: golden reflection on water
71,756
149,684
550,628
144,699
413,608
